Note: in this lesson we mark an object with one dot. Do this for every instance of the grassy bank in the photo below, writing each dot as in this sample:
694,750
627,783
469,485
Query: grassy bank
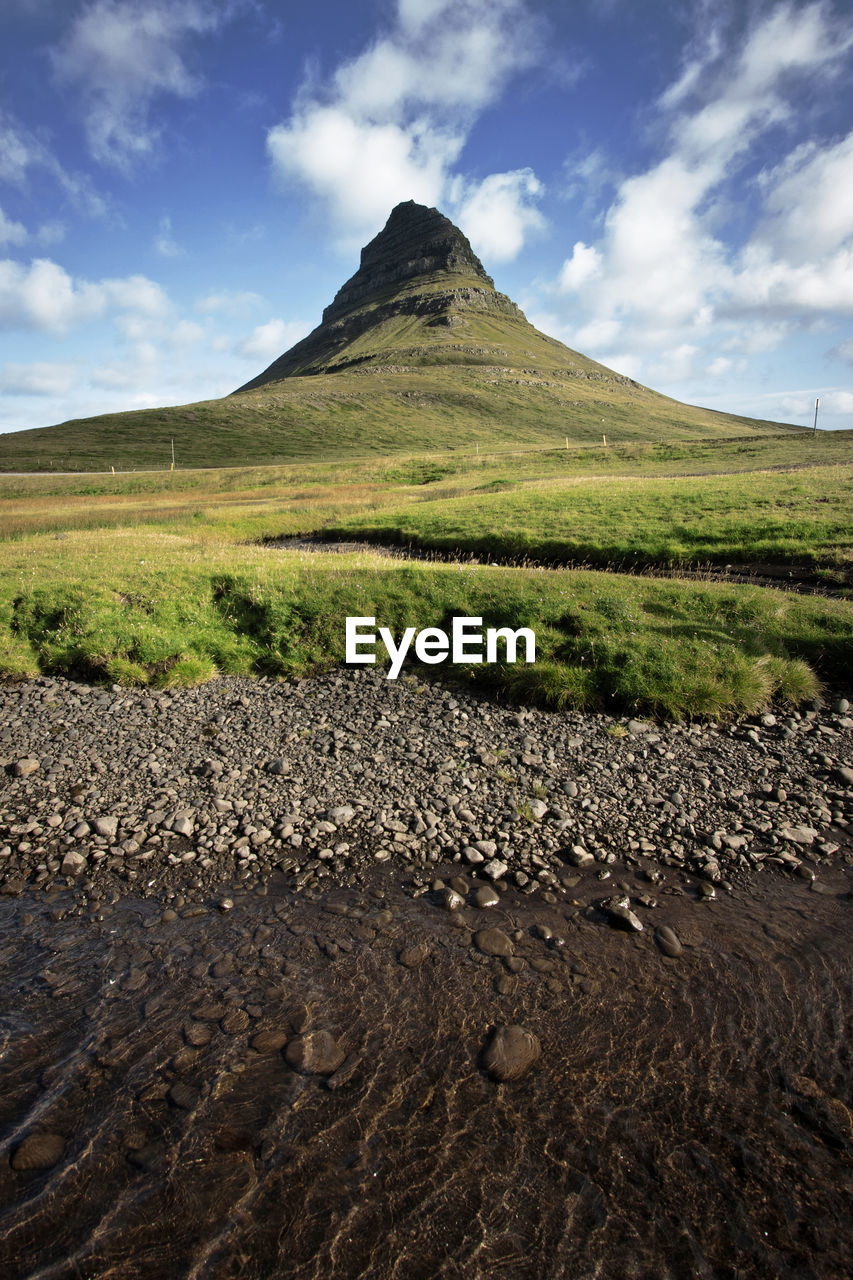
148,607
795,517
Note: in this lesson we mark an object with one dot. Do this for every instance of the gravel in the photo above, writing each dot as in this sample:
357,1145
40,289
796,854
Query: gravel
157,793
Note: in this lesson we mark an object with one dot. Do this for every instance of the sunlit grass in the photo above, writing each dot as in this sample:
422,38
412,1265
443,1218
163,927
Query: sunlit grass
800,516
148,607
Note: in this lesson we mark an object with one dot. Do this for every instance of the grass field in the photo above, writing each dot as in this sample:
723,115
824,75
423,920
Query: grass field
634,521
163,578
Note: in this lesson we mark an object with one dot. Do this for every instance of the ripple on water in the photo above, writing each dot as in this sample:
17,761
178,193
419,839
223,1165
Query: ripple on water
282,1090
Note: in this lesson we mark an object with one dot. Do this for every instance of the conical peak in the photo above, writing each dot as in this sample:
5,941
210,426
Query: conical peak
420,267
415,241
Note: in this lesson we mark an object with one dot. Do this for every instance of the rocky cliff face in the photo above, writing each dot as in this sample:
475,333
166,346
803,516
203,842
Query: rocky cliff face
415,241
419,265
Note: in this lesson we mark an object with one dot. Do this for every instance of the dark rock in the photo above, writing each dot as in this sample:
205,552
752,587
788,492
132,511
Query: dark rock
668,942
234,1022
38,1151
493,942
486,897
269,1041
183,1095
511,1052
314,1053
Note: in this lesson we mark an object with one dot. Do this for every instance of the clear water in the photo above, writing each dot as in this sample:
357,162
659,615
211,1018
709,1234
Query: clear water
687,1118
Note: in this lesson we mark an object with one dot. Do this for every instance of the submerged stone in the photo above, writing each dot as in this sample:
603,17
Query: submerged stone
314,1053
511,1053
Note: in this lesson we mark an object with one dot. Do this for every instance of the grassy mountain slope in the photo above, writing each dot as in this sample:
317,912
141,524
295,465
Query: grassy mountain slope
418,352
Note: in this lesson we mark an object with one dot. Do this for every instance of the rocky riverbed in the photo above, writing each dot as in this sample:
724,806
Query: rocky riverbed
361,978
171,793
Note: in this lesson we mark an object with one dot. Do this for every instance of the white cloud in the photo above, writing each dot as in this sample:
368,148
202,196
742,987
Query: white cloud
50,233
580,268
44,297
809,200
838,402
272,339
598,335
22,151
11,232
362,169
497,213
628,363
453,55
165,243
774,286
186,333
675,365
40,378
666,275
391,124
121,55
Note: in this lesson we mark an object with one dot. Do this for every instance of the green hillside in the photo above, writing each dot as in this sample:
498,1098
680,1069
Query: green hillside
418,352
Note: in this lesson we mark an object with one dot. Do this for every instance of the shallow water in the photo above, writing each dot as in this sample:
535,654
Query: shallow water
687,1118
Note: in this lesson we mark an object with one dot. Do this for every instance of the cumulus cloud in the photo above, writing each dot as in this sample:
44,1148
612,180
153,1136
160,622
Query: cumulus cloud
667,278
40,378
580,268
272,339
361,169
123,55
44,297
809,201
498,213
390,125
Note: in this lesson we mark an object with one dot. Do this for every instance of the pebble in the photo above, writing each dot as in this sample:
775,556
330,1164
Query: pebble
656,792
235,1022
511,1053
493,942
668,942
73,864
486,896
183,1096
314,1053
579,857
620,915
269,1041
798,835
38,1151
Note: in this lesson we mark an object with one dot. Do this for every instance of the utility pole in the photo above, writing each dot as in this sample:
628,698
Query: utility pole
173,454
816,403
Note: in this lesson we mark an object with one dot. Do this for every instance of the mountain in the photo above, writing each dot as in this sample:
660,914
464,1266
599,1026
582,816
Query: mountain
420,268
418,352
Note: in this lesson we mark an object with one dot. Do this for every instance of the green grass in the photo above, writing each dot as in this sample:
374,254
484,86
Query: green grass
154,608
795,517
161,579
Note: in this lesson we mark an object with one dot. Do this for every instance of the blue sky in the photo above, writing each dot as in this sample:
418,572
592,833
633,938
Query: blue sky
665,186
